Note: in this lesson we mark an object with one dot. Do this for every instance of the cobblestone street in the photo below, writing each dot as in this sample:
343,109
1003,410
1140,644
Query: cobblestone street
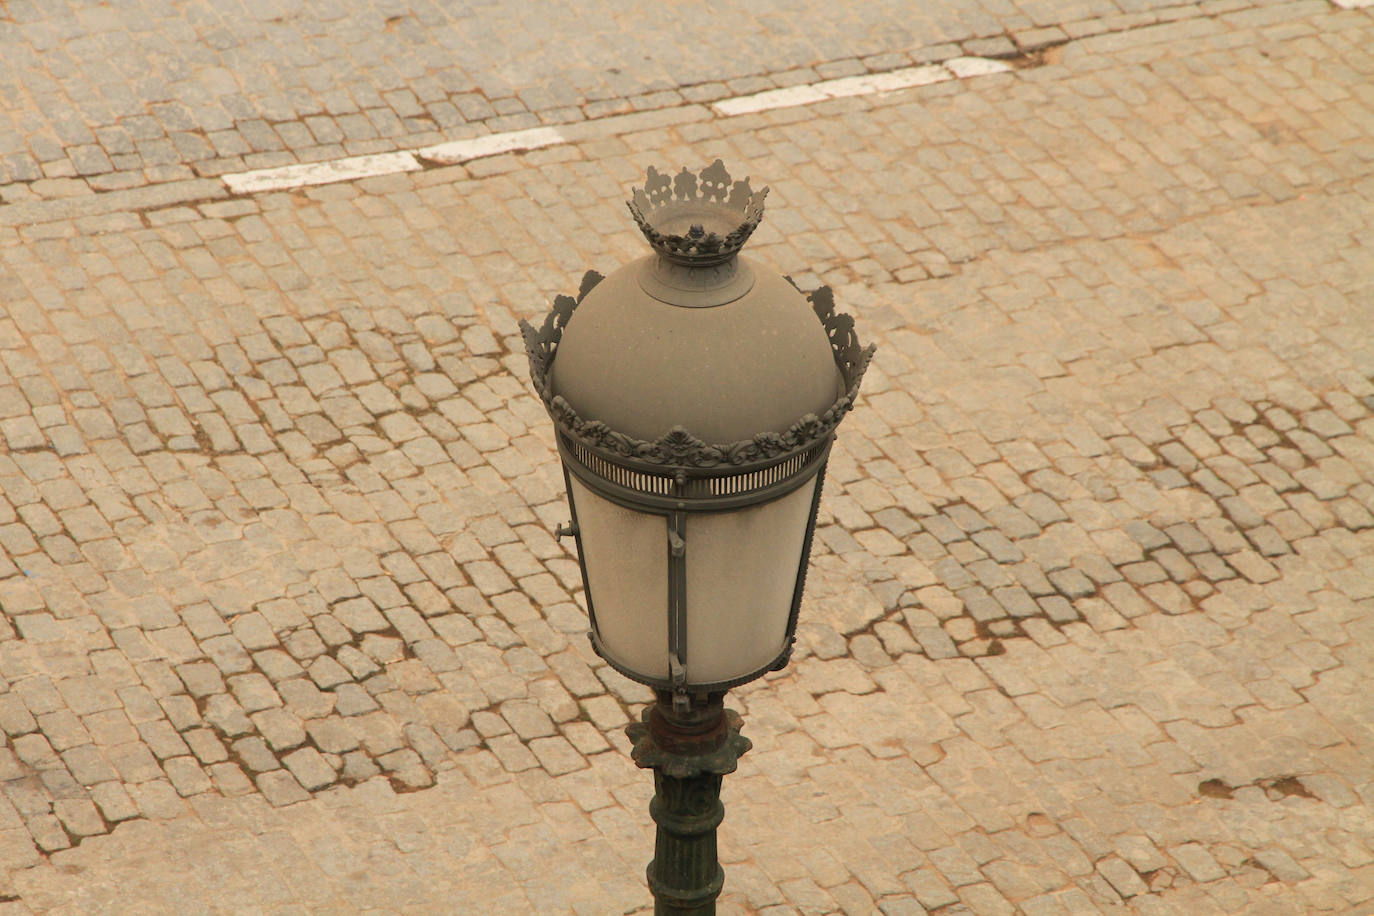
1089,626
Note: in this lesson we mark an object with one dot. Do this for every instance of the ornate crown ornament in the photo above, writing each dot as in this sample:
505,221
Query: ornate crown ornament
697,220
678,448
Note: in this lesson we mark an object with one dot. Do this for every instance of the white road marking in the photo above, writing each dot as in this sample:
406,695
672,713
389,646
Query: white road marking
843,87
312,173
491,145
964,67
307,174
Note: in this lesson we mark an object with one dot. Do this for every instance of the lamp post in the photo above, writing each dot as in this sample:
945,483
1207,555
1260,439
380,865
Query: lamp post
695,398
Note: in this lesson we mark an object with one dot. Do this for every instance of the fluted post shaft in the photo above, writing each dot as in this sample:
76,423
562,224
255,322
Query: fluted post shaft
690,752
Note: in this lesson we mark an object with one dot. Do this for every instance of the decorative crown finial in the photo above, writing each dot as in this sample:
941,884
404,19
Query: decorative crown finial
697,221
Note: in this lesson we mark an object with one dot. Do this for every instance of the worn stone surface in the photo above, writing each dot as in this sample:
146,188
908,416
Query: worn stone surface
284,622
261,85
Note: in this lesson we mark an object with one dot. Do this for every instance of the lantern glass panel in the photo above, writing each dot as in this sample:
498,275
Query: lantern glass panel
741,580
626,557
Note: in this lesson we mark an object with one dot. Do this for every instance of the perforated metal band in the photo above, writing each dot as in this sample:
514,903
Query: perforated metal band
645,487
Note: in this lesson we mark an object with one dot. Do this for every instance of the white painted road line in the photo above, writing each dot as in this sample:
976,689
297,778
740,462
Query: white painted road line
891,81
312,173
869,84
843,87
463,150
286,177
964,67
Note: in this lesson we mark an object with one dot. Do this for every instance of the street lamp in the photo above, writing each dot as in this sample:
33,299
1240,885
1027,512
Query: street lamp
695,398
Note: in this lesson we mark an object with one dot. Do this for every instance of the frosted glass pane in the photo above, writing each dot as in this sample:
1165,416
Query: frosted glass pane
741,574
626,554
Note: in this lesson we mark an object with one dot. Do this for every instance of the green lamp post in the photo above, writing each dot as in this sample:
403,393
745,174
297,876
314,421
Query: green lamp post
695,397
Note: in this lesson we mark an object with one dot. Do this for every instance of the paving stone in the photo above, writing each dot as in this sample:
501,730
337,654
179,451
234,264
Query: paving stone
357,766
227,716
161,739
186,776
1122,877
309,768
1280,865
1059,609
1142,574
406,766
934,642
253,692
556,755
526,719
352,700
1071,583
359,615
15,718
79,817
281,728
1197,862
114,802
205,745
328,673
280,788
201,679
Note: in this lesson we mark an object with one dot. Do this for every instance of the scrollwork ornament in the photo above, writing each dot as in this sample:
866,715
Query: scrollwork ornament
685,185
541,345
715,182
658,189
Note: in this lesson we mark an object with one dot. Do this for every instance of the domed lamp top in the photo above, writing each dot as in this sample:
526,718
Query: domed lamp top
690,356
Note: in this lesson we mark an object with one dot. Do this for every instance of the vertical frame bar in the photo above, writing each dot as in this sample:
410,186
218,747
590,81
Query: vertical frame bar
677,598
581,555
805,560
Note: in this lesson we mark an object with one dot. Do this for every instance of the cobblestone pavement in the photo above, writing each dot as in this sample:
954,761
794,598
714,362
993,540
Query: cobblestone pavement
1089,624
115,95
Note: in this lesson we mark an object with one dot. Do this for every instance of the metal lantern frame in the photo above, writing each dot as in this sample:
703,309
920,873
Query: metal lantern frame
678,476
696,224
